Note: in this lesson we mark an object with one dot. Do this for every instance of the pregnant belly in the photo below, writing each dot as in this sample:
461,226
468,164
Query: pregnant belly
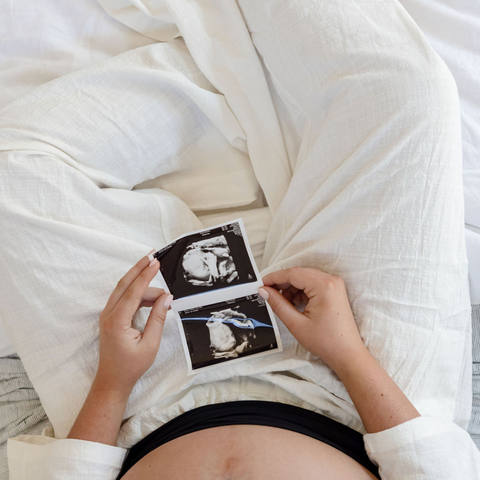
241,452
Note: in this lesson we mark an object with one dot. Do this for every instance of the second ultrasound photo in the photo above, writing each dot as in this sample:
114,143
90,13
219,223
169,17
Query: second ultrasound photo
208,260
228,330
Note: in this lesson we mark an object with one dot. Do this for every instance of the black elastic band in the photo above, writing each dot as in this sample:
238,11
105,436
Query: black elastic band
253,412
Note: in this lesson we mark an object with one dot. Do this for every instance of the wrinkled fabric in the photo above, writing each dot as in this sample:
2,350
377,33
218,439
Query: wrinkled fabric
341,117
421,449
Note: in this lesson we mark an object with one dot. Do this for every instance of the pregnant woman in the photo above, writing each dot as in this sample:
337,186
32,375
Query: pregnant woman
275,448
337,118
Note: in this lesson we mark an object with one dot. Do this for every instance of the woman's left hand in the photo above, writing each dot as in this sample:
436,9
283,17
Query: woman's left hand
126,353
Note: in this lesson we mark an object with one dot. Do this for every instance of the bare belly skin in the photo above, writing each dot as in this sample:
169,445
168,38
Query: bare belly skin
246,452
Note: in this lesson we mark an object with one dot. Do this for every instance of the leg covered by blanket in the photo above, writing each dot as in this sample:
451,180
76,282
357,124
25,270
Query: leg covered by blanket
341,114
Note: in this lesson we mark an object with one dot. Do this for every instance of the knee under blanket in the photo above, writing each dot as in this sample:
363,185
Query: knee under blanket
341,114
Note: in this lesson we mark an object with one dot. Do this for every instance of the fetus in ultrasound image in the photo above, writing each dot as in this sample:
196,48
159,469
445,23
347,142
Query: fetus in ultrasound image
212,259
223,342
209,261
226,331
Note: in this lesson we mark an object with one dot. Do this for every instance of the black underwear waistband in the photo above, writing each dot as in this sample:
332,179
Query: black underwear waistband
253,412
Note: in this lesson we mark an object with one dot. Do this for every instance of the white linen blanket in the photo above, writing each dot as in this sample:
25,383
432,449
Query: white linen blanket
341,114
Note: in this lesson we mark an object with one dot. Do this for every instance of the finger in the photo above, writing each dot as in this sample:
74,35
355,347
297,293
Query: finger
150,297
146,304
288,294
125,282
302,278
152,294
281,286
156,321
131,299
283,308
281,278
297,298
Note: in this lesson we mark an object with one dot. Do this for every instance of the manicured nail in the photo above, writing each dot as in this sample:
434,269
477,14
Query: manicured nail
263,293
168,301
152,262
151,257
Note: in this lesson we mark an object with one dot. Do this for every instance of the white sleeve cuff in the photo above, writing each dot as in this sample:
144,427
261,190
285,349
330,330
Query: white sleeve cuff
418,429
424,448
40,457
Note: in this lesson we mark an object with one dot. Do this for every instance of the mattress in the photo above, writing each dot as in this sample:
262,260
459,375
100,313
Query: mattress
44,40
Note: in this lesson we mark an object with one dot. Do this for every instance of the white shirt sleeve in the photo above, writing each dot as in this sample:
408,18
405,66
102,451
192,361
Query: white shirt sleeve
41,457
424,448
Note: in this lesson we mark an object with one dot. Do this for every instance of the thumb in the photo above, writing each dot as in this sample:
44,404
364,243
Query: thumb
287,313
156,320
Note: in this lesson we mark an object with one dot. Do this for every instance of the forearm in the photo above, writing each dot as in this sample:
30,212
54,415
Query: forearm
378,399
100,418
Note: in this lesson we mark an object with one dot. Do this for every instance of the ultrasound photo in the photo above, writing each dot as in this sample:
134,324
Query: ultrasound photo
209,260
227,331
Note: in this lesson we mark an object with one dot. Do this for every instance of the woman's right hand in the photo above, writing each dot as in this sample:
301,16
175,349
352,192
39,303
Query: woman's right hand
326,327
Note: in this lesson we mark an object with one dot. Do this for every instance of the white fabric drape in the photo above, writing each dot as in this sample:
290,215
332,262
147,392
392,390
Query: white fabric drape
341,115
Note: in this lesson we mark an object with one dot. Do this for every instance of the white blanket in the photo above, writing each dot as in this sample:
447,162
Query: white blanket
342,115
35,53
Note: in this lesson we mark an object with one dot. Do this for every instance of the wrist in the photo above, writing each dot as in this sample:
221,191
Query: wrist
101,415
117,394
351,360
379,401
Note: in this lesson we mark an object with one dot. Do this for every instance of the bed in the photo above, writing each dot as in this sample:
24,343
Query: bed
48,39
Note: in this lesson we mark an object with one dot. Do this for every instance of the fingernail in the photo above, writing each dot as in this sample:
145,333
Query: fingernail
152,260
151,257
168,301
263,293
